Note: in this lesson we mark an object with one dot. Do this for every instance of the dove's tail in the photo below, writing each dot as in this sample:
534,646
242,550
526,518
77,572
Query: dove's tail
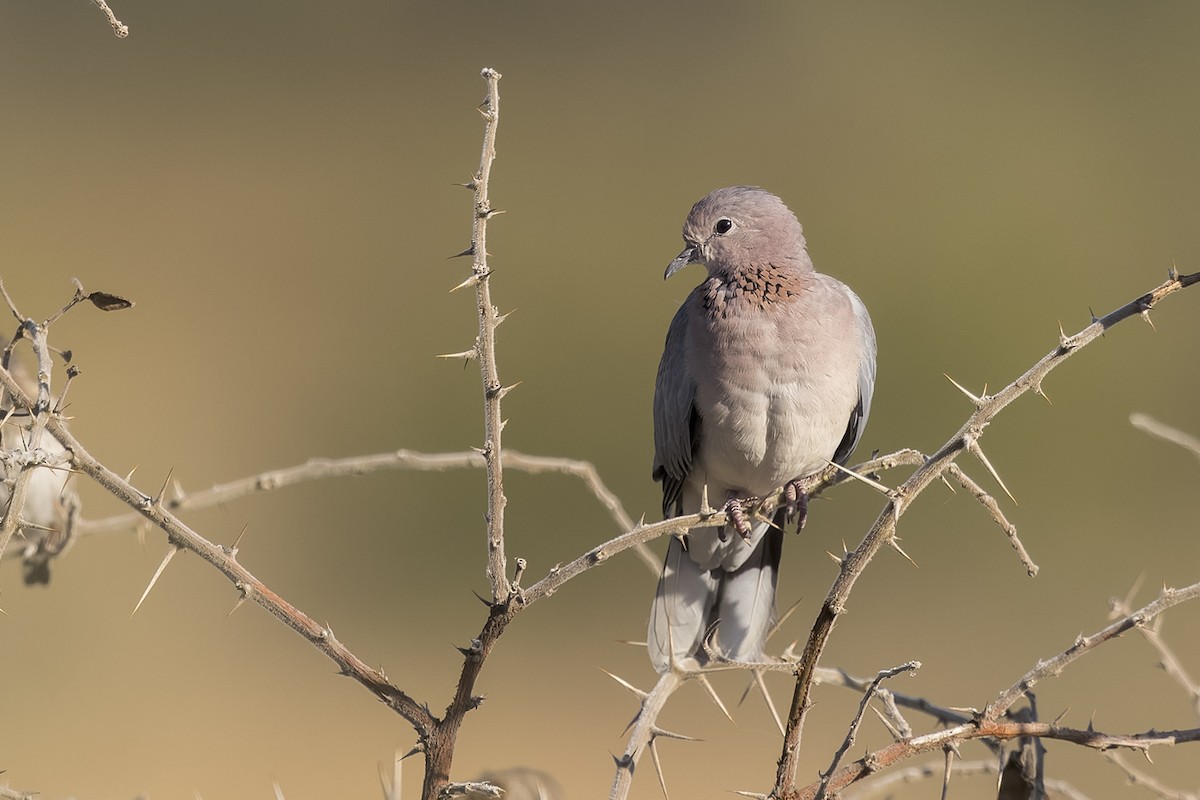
731,607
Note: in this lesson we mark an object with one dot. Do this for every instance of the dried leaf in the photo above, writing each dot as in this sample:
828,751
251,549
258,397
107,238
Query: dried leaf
109,302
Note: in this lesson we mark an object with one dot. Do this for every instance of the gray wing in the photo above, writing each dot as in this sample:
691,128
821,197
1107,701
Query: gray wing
866,381
676,423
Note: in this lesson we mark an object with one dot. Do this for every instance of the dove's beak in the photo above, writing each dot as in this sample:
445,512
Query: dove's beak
688,256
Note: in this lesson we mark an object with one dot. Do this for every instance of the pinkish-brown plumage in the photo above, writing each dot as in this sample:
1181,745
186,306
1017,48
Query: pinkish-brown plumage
766,376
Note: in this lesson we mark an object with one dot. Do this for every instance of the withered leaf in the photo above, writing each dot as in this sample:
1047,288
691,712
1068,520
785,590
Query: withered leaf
109,302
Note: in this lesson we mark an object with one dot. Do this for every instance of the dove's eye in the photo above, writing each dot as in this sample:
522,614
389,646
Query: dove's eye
724,225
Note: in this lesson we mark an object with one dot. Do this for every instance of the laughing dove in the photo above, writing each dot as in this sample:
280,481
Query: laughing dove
766,377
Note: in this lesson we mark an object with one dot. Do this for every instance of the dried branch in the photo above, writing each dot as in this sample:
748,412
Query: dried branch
1051,667
883,531
1150,425
119,28
894,753
251,588
316,469
993,508
12,794
644,730
986,724
485,343
839,677
1156,787
1170,663
224,559
883,675
935,769
915,774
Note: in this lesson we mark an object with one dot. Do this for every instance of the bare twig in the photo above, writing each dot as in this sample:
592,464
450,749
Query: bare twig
883,675
883,530
485,344
224,559
993,508
1120,607
1151,784
934,769
180,535
13,794
325,468
644,731
880,759
1150,425
987,724
920,772
119,28
1085,644
839,677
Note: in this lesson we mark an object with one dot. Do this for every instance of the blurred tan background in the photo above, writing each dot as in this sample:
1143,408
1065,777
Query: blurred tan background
272,183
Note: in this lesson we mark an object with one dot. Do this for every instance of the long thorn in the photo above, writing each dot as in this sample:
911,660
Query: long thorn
896,546
157,500
469,355
976,400
157,573
874,484
657,731
236,606
233,550
662,781
716,698
636,691
762,687
978,452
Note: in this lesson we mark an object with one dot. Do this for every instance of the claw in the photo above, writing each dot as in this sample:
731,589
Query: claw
795,495
737,516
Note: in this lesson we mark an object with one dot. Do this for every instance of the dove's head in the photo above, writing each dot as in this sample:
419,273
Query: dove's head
739,227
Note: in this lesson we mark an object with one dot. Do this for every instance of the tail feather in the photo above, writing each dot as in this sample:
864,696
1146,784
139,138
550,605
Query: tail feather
691,599
682,608
746,600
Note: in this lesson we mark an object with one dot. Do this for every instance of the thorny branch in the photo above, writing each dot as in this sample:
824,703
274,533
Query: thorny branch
839,677
987,725
485,344
883,675
894,753
436,737
1169,662
883,531
325,468
180,536
1051,667
439,744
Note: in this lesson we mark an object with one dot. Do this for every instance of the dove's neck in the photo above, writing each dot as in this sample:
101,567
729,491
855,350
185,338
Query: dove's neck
749,288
